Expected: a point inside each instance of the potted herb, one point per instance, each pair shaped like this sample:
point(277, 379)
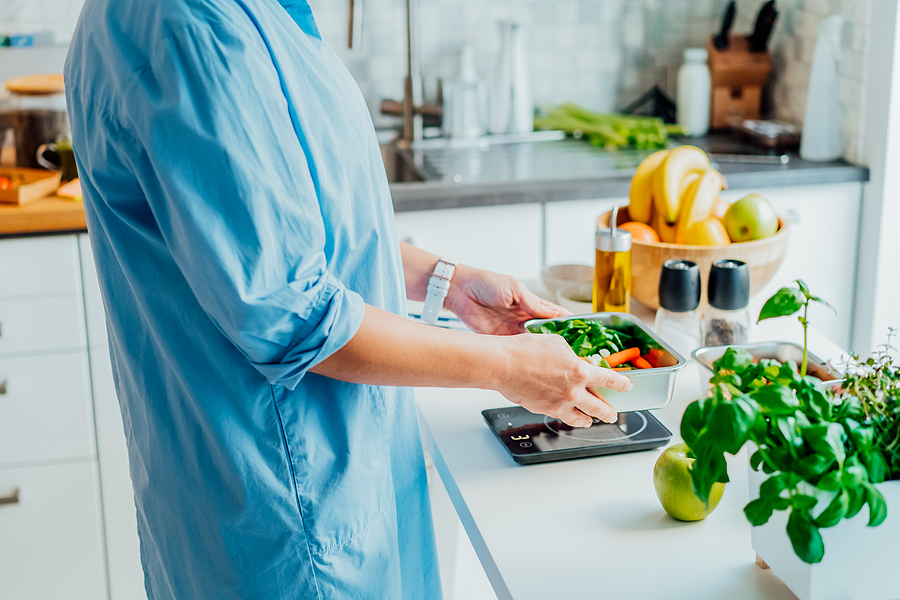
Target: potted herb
point(824, 464)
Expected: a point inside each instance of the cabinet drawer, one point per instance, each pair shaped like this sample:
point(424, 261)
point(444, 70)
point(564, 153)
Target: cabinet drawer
point(39, 265)
point(51, 544)
point(45, 408)
point(41, 324)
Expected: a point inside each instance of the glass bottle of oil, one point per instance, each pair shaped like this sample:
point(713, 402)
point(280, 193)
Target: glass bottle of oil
point(612, 269)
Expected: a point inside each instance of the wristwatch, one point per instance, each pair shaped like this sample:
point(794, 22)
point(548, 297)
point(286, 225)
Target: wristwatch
point(438, 285)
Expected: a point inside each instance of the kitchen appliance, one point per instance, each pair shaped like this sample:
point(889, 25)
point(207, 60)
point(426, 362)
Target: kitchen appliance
point(531, 438)
point(653, 388)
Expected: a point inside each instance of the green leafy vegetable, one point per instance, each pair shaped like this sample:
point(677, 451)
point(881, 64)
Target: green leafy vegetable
point(589, 338)
point(823, 452)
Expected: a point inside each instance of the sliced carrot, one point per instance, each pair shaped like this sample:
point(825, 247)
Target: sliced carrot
point(623, 369)
point(640, 363)
point(624, 356)
point(650, 358)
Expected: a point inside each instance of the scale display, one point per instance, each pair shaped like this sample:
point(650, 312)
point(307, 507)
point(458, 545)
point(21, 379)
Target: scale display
point(532, 438)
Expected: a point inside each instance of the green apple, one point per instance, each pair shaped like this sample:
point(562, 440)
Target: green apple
point(672, 480)
point(750, 218)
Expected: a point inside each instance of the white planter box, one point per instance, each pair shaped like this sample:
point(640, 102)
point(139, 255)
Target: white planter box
point(860, 562)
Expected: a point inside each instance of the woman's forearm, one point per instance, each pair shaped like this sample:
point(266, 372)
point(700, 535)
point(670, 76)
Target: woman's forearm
point(539, 372)
point(418, 265)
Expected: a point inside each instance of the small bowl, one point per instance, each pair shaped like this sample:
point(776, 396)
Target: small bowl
point(576, 297)
point(557, 276)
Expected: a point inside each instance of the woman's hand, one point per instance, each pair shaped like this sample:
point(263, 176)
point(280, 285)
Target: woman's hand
point(496, 304)
point(543, 375)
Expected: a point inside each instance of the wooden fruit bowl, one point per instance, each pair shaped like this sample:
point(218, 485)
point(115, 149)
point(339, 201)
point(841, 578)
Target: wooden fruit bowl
point(763, 256)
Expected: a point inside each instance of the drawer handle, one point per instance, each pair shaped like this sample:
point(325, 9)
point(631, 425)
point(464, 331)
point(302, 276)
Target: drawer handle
point(3, 387)
point(12, 498)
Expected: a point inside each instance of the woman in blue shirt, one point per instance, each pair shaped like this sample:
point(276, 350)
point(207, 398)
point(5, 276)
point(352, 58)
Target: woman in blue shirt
point(242, 227)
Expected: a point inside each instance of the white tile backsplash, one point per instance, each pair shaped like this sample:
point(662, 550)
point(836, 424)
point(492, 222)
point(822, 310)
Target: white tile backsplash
point(602, 53)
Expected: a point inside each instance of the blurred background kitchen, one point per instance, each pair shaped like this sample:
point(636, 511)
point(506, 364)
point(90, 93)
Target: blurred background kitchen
point(602, 54)
point(516, 205)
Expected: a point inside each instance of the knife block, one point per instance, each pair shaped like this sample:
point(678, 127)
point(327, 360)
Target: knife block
point(738, 76)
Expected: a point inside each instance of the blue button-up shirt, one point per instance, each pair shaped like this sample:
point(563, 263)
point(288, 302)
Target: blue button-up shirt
point(240, 218)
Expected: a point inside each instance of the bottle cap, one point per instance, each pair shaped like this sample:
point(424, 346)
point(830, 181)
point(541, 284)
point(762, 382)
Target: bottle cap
point(679, 285)
point(729, 284)
point(695, 55)
point(613, 239)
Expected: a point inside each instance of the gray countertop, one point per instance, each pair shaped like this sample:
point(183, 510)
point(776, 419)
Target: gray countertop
point(552, 171)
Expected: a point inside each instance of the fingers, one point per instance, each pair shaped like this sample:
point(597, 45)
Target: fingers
point(609, 379)
point(537, 307)
point(595, 406)
point(575, 418)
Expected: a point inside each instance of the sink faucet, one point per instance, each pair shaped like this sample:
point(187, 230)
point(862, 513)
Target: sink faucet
point(412, 107)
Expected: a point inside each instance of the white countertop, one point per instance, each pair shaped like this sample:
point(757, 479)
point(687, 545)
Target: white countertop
point(593, 527)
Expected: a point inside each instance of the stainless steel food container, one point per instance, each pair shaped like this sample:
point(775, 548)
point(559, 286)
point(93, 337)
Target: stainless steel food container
point(780, 351)
point(653, 388)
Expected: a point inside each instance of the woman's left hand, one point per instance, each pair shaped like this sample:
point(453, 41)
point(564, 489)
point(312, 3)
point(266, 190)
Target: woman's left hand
point(495, 304)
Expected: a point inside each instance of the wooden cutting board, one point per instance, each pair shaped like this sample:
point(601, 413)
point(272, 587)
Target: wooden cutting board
point(49, 215)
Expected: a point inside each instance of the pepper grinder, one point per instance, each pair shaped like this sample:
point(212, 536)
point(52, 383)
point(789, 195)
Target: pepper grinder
point(677, 319)
point(612, 268)
point(727, 319)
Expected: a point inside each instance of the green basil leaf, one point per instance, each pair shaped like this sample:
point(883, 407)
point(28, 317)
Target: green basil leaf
point(827, 440)
point(855, 473)
point(803, 502)
point(861, 435)
point(784, 302)
point(548, 327)
point(694, 420)
point(835, 511)
point(803, 287)
point(813, 465)
point(709, 468)
point(759, 511)
point(877, 466)
point(730, 423)
point(830, 482)
point(877, 506)
point(857, 499)
point(735, 359)
point(774, 486)
point(776, 399)
point(756, 460)
point(805, 537)
point(820, 301)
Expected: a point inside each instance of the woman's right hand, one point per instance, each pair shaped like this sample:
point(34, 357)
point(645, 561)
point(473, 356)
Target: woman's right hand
point(543, 375)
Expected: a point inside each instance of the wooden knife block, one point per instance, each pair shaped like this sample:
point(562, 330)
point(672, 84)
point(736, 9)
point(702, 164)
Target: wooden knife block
point(738, 76)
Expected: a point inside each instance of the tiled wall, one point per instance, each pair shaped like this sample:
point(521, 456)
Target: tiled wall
point(600, 53)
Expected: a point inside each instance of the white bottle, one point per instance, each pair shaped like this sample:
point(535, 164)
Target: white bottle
point(512, 107)
point(821, 140)
point(694, 92)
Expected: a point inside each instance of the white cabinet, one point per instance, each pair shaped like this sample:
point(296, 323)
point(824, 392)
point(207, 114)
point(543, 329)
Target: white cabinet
point(822, 250)
point(51, 533)
point(503, 239)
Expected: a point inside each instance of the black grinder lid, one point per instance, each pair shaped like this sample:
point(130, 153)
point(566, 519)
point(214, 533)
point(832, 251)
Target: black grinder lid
point(679, 285)
point(729, 284)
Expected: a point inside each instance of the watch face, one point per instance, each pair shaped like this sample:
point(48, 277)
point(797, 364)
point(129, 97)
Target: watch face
point(524, 433)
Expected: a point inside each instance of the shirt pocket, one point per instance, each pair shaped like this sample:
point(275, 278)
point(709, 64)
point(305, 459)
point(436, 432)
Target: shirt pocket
point(337, 436)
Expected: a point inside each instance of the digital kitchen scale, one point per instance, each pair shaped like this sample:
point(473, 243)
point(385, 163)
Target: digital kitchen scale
point(532, 438)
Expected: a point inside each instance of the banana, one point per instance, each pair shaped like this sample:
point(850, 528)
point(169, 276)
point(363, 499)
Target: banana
point(667, 233)
point(641, 194)
point(697, 201)
point(668, 178)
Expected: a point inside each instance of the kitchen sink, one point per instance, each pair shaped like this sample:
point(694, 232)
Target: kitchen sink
point(399, 165)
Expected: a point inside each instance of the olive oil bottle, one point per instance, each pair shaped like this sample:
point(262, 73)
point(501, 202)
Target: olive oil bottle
point(612, 269)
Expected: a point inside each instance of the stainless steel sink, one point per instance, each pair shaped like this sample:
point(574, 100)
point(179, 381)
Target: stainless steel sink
point(398, 165)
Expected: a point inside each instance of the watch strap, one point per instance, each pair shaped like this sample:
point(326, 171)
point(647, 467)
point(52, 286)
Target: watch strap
point(436, 292)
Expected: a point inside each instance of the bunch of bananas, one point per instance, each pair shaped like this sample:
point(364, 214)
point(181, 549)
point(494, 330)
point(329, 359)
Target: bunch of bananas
point(676, 192)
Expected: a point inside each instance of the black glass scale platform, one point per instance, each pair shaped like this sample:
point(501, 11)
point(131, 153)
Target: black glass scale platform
point(532, 438)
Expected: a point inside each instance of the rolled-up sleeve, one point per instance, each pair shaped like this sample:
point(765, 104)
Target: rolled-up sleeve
point(224, 169)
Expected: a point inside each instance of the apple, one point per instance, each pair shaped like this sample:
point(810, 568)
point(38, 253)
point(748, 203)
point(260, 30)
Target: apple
point(672, 480)
point(750, 218)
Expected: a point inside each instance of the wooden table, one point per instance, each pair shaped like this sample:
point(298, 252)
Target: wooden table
point(50, 215)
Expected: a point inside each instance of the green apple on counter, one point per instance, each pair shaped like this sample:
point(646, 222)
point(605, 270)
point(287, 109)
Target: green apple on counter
point(672, 480)
point(750, 218)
